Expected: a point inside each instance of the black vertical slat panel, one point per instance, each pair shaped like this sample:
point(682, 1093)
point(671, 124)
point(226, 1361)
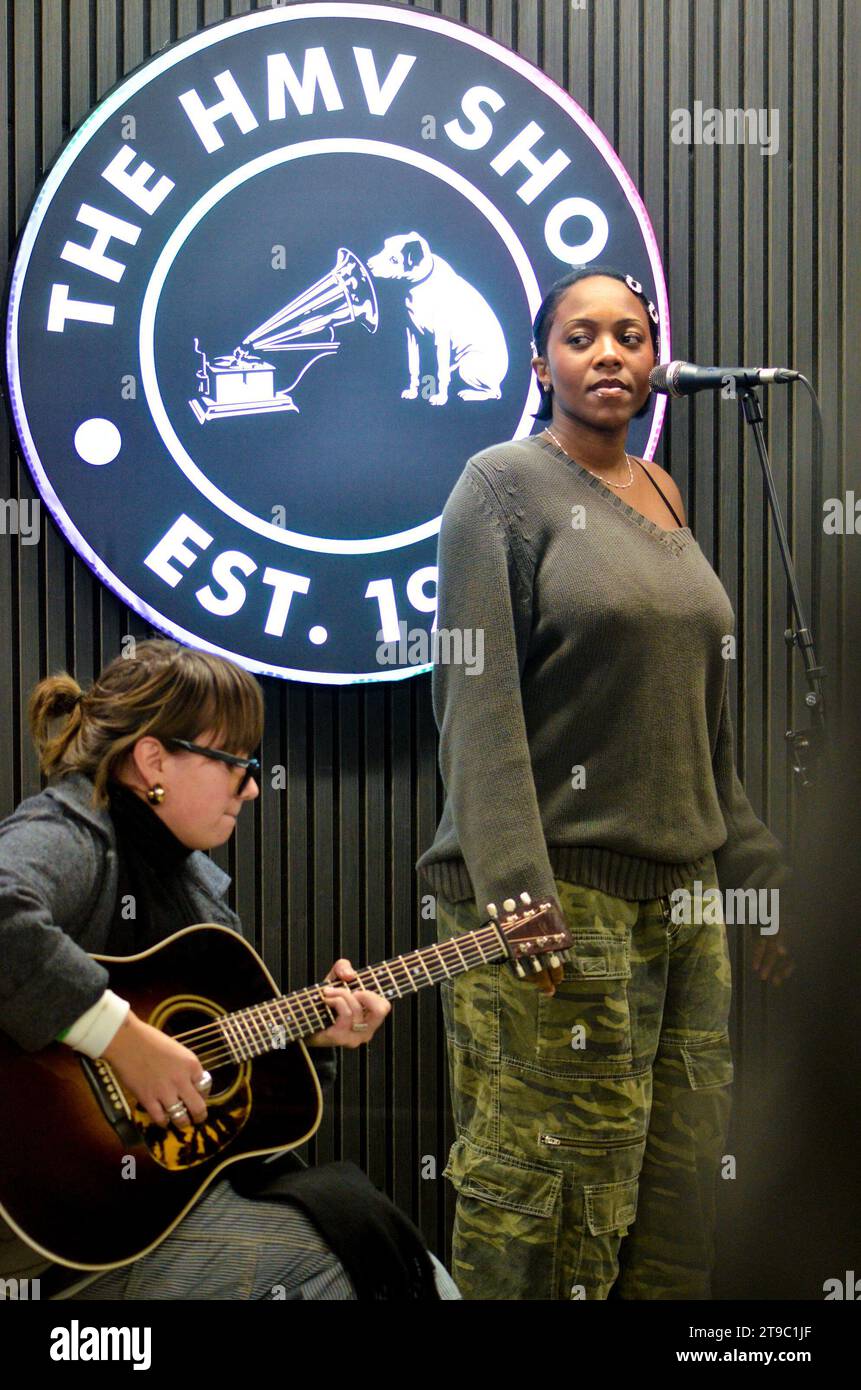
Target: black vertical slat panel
point(8, 637)
point(739, 525)
point(29, 624)
point(52, 62)
point(528, 31)
point(347, 855)
point(729, 94)
point(295, 844)
point(401, 887)
point(80, 41)
point(502, 22)
point(676, 248)
point(54, 552)
point(186, 18)
point(109, 615)
point(778, 266)
point(271, 817)
point(107, 51)
point(26, 113)
point(850, 286)
point(579, 54)
point(794, 478)
point(476, 15)
point(724, 470)
point(702, 259)
point(553, 44)
point(83, 594)
point(430, 1095)
point(134, 36)
point(25, 558)
point(375, 911)
point(605, 77)
point(630, 140)
point(826, 620)
point(655, 140)
point(160, 24)
point(324, 938)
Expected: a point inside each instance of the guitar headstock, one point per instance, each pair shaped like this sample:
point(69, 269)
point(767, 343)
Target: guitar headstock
point(534, 933)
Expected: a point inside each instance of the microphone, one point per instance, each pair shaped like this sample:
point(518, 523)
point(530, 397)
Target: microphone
point(683, 378)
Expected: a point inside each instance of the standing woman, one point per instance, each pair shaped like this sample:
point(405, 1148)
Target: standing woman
point(151, 766)
point(592, 762)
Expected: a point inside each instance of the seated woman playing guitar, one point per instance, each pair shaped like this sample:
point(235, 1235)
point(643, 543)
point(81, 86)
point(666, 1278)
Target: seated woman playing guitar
point(150, 767)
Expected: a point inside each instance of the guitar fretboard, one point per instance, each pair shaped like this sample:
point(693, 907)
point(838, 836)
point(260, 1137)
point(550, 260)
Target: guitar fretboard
point(265, 1027)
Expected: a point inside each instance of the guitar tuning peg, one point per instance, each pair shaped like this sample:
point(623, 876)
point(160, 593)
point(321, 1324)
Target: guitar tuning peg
point(525, 899)
point(518, 970)
point(492, 910)
point(509, 905)
point(536, 965)
point(555, 961)
point(566, 954)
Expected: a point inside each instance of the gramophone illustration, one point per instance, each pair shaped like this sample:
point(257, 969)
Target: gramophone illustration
point(243, 383)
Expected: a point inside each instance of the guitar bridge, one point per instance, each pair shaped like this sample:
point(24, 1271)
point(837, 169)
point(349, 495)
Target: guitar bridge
point(111, 1100)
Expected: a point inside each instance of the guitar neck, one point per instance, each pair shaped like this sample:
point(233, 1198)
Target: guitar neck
point(266, 1027)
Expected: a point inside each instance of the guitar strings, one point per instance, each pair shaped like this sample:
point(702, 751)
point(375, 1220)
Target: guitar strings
point(310, 1006)
point(306, 998)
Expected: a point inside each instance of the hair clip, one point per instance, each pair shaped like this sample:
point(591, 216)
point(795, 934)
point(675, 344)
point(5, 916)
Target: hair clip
point(633, 284)
point(653, 313)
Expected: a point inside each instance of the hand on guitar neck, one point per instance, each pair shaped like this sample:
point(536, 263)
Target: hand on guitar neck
point(159, 1072)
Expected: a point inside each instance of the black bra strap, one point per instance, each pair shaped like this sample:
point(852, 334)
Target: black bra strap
point(657, 489)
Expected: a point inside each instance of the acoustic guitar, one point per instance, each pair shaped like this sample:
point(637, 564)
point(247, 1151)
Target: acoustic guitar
point(89, 1180)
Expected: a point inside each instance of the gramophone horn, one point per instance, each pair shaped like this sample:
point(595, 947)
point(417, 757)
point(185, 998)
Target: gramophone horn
point(345, 295)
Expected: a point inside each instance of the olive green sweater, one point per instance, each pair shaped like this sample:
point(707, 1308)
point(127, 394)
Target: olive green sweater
point(596, 743)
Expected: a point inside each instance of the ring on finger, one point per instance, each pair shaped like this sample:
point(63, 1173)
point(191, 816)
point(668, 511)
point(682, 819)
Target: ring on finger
point(178, 1108)
point(204, 1085)
point(360, 1028)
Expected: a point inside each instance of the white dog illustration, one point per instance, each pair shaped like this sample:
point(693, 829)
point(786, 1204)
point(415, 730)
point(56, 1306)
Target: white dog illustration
point(466, 333)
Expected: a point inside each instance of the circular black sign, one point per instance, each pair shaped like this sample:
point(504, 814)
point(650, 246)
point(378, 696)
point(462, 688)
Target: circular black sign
point(274, 292)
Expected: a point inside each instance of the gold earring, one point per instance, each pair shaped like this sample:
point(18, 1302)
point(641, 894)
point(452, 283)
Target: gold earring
point(155, 795)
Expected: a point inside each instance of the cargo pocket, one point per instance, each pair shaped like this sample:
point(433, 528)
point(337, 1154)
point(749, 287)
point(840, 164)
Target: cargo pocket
point(611, 1206)
point(505, 1243)
point(586, 1024)
point(609, 1210)
point(708, 1063)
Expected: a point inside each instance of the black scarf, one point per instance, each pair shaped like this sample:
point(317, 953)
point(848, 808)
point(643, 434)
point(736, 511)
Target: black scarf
point(152, 902)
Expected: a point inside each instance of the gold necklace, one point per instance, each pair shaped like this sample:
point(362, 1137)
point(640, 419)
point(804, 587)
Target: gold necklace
point(548, 430)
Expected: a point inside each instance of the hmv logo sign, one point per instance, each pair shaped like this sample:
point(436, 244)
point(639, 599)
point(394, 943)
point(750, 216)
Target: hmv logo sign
point(274, 293)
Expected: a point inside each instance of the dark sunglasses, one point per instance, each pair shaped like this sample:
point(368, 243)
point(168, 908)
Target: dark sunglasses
point(251, 765)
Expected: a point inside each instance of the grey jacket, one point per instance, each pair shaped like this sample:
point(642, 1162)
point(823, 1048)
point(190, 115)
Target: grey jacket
point(58, 889)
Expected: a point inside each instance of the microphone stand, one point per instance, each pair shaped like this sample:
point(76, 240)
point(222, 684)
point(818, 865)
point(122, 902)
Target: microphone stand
point(805, 743)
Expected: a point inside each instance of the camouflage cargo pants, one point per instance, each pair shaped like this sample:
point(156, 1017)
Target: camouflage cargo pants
point(591, 1125)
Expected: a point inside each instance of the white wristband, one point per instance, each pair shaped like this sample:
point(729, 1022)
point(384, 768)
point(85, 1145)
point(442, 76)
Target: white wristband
point(96, 1029)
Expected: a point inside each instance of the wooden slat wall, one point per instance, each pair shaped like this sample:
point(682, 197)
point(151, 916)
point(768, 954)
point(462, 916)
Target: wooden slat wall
point(759, 258)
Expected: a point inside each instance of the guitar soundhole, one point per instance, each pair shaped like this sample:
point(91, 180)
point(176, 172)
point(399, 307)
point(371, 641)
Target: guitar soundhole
point(229, 1102)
